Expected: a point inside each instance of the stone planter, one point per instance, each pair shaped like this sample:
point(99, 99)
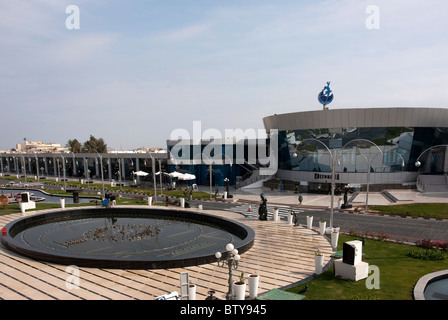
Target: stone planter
point(334, 239)
point(309, 222)
point(192, 292)
point(318, 263)
point(290, 218)
point(322, 226)
point(254, 280)
point(239, 290)
point(275, 216)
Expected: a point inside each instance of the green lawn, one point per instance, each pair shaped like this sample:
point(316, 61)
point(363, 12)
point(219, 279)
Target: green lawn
point(398, 275)
point(14, 208)
point(94, 188)
point(426, 210)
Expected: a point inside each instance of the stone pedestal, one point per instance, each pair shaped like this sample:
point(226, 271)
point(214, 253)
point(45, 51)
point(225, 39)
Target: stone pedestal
point(351, 266)
point(27, 205)
point(351, 272)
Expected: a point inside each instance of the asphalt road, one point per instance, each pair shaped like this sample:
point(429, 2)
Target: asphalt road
point(405, 229)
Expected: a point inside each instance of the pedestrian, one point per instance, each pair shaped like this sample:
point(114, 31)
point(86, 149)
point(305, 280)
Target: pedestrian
point(300, 199)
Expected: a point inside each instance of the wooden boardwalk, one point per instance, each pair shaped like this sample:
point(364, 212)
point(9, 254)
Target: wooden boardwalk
point(282, 255)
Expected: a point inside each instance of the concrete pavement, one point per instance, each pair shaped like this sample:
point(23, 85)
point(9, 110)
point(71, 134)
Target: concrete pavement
point(324, 201)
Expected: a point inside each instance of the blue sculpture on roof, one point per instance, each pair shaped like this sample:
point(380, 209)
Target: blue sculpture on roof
point(326, 95)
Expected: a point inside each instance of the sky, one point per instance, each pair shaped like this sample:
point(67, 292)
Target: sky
point(135, 71)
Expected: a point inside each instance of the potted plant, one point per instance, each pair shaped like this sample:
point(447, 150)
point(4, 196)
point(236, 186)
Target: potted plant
point(275, 214)
point(239, 288)
point(254, 280)
point(335, 238)
point(318, 262)
point(290, 217)
point(22, 207)
point(309, 222)
point(191, 291)
point(322, 226)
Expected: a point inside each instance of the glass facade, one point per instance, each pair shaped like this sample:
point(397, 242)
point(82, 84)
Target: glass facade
point(232, 161)
point(358, 149)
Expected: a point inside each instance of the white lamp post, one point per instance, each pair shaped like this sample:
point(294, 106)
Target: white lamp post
point(231, 260)
point(334, 156)
point(102, 172)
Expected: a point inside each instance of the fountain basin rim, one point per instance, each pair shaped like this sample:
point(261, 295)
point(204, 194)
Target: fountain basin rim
point(236, 228)
point(423, 282)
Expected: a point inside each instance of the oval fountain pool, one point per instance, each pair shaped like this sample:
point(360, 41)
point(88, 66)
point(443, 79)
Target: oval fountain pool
point(125, 238)
point(433, 286)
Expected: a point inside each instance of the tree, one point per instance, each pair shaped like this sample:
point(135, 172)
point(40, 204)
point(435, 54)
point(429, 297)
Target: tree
point(74, 146)
point(94, 145)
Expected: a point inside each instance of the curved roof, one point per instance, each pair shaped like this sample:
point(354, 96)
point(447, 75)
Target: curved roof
point(362, 117)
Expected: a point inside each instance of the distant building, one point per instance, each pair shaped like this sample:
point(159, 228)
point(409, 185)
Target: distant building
point(40, 147)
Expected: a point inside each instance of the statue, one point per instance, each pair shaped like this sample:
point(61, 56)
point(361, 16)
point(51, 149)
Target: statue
point(188, 195)
point(295, 218)
point(347, 188)
point(262, 210)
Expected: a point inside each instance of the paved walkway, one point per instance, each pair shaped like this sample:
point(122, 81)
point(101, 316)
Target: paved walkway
point(282, 255)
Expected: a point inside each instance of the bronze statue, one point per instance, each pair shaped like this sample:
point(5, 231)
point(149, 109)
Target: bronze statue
point(296, 218)
point(262, 210)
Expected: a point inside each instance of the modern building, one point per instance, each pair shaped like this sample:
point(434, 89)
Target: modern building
point(217, 162)
point(375, 146)
point(39, 146)
point(367, 147)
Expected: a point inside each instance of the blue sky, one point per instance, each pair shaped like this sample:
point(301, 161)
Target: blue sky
point(138, 69)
